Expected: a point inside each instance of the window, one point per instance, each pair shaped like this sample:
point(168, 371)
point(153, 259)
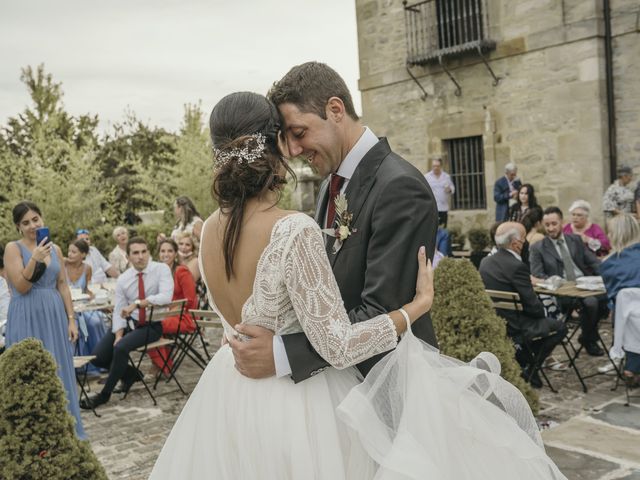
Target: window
point(466, 160)
point(439, 28)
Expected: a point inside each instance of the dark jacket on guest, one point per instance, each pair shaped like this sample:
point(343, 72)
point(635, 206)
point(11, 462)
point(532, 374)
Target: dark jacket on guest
point(501, 195)
point(504, 272)
point(545, 261)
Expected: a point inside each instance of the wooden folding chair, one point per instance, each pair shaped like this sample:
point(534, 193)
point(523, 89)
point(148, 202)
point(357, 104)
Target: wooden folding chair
point(511, 301)
point(81, 365)
point(157, 313)
point(205, 319)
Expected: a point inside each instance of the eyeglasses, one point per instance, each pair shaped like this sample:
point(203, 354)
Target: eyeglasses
point(82, 231)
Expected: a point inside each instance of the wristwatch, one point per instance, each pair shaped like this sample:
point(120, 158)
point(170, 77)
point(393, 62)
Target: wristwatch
point(137, 302)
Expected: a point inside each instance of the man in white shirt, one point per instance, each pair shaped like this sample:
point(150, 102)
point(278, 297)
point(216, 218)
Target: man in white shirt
point(145, 283)
point(100, 267)
point(441, 186)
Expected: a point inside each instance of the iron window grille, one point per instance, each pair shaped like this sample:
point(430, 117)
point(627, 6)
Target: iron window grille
point(440, 28)
point(466, 160)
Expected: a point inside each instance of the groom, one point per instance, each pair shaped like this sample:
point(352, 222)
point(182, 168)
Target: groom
point(393, 213)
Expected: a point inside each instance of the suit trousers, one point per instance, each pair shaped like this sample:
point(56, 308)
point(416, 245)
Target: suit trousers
point(116, 358)
point(592, 309)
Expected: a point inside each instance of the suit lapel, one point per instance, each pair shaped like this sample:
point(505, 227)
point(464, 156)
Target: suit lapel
point(360, 185)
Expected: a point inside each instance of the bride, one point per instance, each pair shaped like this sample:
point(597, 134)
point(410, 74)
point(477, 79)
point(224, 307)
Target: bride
point(417, 414)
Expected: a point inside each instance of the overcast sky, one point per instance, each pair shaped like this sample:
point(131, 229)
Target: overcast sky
point(153, 56)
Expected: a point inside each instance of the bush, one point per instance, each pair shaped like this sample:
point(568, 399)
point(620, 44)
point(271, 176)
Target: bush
point(457, 237)
point(478, 239)
point(466, 323)
point(37, 433)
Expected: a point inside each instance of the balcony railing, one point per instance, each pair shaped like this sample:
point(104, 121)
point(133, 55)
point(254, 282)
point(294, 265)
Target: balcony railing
point(441, 28)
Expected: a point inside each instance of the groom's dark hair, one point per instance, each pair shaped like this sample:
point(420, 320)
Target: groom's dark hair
point(309, 87)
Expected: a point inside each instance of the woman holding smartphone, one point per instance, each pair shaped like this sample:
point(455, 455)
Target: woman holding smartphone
point(41, 304)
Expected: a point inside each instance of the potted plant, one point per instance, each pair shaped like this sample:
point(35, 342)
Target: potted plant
point(479, 240)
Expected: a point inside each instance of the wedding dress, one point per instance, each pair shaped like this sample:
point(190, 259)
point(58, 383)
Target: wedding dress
point(417, 414)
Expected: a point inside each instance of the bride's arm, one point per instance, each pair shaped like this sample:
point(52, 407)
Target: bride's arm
point(316, 299)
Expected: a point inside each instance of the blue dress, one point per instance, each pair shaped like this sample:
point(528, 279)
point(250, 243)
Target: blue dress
point(40, 314)
point(91, 325)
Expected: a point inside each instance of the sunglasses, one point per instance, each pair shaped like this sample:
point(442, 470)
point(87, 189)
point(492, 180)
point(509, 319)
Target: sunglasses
point(82, 231)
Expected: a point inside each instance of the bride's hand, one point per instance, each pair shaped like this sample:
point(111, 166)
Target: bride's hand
point(424, 281)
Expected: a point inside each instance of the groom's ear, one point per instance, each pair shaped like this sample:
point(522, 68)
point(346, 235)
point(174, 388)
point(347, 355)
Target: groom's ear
point(335, 109)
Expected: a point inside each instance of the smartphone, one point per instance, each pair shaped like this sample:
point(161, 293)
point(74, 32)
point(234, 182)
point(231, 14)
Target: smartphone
point(41, 233)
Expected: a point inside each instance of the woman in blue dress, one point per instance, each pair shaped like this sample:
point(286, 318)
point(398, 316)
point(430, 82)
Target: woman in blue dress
point(41, 304)
point(91, 325)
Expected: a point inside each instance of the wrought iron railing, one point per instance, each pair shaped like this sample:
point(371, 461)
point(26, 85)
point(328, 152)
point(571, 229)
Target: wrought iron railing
point(440, 28)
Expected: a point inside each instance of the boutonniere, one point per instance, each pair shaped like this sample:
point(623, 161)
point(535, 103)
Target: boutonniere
point(343, 229)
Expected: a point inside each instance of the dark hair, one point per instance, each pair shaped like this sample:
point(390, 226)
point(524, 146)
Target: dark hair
point(82, 246)
point(233, 121)
point(532, 195)
point(189, 211)
point(21, 209)
point(531, 217)
point(493, 230)
point(136, 241)
point(309, 87)
point(552, 210)
point(174, 245)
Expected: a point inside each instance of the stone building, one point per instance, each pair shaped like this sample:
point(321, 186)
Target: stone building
point(486, 82)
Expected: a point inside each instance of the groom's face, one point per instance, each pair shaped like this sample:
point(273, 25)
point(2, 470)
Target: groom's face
point(317, 140)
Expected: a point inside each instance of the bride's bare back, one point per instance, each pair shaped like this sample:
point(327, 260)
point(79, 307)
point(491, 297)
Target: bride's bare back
point(231, 295)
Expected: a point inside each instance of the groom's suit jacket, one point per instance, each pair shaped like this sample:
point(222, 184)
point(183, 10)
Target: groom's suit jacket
point(394, 212)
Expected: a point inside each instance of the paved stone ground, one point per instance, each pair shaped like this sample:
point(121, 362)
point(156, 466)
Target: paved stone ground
point(591, 436)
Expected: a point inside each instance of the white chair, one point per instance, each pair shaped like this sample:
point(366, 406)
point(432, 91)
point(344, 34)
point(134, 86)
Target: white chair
point(626, 335)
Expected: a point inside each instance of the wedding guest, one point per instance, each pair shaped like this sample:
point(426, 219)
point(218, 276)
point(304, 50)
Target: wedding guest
point(621, 270)
point(5, 296)
point(183, 288)
point(189, 220)
point(591, 234)
point(146, 283)
point(505, 190)
point(505, 271)
point(441, 186)
point(188, 253)
point(40, 305)
point(532, 222)
point(118, 256)
point(91, 325)
point(525, 201)
point(99, 265)
point(565, 255)
point(619, 197)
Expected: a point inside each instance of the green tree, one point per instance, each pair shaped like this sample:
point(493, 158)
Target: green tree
point(466, 323)
point(37, 433)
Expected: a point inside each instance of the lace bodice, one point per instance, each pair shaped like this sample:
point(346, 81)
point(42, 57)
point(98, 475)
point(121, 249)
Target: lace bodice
point(294, 290)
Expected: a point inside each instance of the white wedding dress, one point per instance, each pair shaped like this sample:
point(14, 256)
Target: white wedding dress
point(418, 415)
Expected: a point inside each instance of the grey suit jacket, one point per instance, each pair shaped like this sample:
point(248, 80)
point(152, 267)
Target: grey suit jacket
point(545, 261)
point(394, 212)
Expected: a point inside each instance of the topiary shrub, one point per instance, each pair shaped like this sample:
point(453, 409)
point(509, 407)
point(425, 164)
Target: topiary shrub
point(37, 433)
point(466, 323)
point(478, 239)
point(458, 238)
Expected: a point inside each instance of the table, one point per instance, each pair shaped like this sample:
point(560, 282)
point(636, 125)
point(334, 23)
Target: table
point(569, 289)
point(81, 307)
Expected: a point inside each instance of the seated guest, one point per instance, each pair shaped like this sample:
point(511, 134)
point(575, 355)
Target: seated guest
point(443, 242)
point(183, 288)
point(188, 253)
point(532, 221)
point(118, 256)
point(91, 325)
point(506, 272)
point(99, 265)
point(525, 201)
point(591, 234)
point(492, 236)
point(621, 270)
point(146, 283)
point(565, 255)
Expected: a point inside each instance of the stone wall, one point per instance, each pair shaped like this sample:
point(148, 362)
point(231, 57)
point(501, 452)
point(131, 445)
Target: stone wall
point(548, 113)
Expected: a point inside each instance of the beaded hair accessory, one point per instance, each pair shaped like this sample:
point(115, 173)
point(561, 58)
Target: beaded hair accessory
point(248, 152)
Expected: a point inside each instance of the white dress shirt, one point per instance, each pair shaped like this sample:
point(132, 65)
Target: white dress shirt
point(347, 167)
point(158, 289)
point(438, 186)
point(98, 264)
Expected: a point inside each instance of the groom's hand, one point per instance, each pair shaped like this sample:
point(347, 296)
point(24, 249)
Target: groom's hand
point(254, 357)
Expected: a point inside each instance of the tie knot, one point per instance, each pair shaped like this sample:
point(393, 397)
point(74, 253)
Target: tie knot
point(560, 241)
point(140, 274)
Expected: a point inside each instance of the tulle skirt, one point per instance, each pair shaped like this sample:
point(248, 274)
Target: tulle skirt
point(237, 428)
point(417, 415)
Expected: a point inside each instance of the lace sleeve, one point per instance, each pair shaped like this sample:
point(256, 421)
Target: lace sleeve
point(319, 307)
